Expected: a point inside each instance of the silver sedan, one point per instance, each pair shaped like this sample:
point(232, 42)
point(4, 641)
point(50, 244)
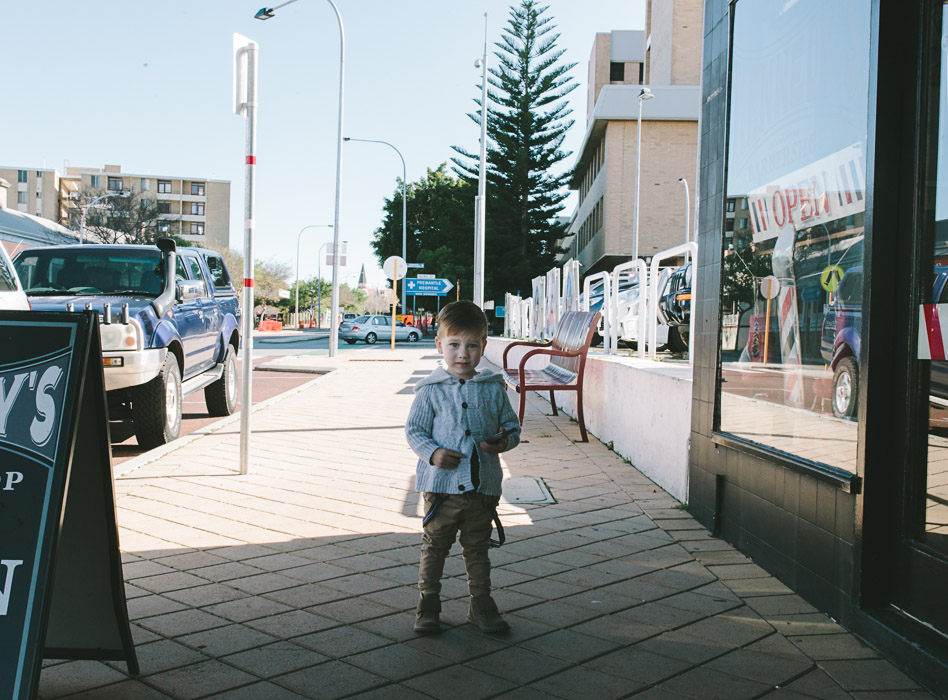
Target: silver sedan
point(371, 329)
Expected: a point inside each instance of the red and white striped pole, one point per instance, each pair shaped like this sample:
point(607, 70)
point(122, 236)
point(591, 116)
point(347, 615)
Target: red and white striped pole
point(246, 104)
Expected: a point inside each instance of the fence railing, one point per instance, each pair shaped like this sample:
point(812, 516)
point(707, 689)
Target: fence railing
point(557, 292)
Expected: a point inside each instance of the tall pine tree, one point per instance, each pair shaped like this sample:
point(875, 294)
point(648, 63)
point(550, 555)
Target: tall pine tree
point(526, 124)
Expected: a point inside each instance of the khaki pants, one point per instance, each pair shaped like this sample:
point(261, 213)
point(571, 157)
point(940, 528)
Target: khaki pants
point(470, 514)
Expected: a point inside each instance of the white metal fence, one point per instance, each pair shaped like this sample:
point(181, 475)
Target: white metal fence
point(629, 311)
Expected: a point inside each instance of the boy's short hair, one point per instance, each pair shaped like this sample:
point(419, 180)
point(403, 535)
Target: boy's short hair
point(462, 317)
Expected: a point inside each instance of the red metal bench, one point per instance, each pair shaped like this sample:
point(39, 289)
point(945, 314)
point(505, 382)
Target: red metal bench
point(567, 353)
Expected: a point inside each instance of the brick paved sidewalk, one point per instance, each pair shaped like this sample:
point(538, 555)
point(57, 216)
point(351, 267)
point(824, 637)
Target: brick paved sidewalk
point(298, 581)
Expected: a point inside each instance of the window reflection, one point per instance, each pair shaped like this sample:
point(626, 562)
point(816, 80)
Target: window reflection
point(792, 283)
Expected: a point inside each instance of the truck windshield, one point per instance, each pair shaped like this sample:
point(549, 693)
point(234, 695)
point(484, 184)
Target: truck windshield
point(59, 272)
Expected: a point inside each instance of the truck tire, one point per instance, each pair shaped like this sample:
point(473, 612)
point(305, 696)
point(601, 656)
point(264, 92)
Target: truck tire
point(677, 339)
point(221, 396)
point(156, 407)
point(845, 381)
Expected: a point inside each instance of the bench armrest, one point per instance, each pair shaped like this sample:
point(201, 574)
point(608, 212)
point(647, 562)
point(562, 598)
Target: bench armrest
point(521, 378)
point(522, 342)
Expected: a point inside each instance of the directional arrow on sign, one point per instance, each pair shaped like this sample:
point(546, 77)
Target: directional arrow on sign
point(428, 287)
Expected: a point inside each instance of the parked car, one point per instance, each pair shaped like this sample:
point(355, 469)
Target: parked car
point(374, 328)
point(841, 341)
point(348, 316)
point(674, 307)
point(12, 295)
point(169, 324)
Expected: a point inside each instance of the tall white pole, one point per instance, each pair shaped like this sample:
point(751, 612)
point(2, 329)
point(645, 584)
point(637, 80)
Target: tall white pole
point(638, 183)
point(250, 109)
point(687, 209)
point(334, 327)
point(298, 237)
point(481, 206)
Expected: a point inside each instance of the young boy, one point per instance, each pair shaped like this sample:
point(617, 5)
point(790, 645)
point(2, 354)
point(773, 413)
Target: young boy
point(459, 422)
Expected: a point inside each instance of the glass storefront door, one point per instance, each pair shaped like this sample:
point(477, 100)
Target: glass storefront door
point(923, 589)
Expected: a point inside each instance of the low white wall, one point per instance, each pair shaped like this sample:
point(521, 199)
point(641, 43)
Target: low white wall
point(642, 407)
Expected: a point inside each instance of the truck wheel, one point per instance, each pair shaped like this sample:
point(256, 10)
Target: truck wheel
point(844, 388)
point(371, 338)
point(156, 407)
point(221, 396)
point(677, 339)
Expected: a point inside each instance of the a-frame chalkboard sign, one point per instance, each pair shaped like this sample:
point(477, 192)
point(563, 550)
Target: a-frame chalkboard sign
point(61, 588)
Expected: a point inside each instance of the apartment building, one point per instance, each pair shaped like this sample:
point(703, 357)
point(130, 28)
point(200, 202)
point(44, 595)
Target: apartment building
point(666, 59)
point(196, 209)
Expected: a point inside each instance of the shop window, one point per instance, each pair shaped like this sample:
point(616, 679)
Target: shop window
point(791, 272)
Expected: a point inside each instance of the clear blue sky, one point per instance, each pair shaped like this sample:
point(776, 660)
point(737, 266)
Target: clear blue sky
point(149, 86)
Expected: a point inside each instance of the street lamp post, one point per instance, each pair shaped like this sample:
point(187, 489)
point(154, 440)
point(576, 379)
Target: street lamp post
point(480, 210)
point(298, 237)
point(82, 220)
point(404, 207)
point(644, 94)
point(267, 13)
point(319, 277)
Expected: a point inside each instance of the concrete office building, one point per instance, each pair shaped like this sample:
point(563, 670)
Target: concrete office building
point(194, 208)
point(666, 58)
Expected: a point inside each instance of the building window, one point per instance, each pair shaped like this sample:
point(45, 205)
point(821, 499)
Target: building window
point(115, 183)
point(21, 176)
point(146, 184)
point(197, 188)
point(93, 180)
point(803, 238)
point(197, 208)
point(21, 197)
point(164, 187)
point(197, 229)
point(616, 72)
point(39, 174)
point(730, 205)
point(164, 207)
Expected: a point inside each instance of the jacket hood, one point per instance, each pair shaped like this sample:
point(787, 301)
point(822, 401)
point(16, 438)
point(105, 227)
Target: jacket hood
point(441, 375)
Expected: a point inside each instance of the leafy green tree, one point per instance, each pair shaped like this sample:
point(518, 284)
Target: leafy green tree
point(527, 121)
point(440, 228)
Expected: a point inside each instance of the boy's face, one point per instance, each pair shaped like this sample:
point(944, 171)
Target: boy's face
point(462, 353)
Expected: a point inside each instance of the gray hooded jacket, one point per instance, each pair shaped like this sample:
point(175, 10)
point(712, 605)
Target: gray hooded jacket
point(458, 414)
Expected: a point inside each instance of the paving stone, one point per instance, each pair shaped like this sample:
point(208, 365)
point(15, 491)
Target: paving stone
point(225, 640)
point(770, 670)
point(202, 596)
point(458, 644)
point(397, 662)
point(173, 581)
point(560, 614)
point(459, 683)
point(867, 674)
point(707, 684)
point(119, 691)
point(569, 645)
point(638, 665)
point(682, 646)
point(274, 659)
point(585, 682)
point(247, 608)
point(262, 690)
point(149, 605)
point(183, 622)
point(306, 596)
point(394, 690)
point(340, 642)
point(161, 655)
point(74, 676)
point(350, 610)
point(292, 624)
point(818, 684)
point(737, 631)
point(198, 680)
point(333, 679)
point(833, 646)
point(518, 665)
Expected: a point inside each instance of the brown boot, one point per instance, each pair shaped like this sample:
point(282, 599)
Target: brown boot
point(427, 612)
point(483, 613)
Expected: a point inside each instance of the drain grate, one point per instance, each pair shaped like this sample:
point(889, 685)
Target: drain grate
point(526, 489)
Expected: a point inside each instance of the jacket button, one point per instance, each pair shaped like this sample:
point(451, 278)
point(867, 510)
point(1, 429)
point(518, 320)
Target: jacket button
point(467, 432)
point(464, 405)
point(460, 487)
point(461, 380)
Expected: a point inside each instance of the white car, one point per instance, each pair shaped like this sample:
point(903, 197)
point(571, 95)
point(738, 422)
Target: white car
point(12, 295)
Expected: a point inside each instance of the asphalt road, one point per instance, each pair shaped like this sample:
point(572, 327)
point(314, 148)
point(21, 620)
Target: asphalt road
point(194, 412)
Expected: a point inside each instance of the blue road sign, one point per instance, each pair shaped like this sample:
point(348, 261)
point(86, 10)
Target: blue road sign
point(427, 287)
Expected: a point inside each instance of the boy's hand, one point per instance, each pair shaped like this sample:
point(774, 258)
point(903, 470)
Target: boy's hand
point(495, 446)
point(446, 459)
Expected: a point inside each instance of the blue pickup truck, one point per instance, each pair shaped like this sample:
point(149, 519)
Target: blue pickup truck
point(169, 323)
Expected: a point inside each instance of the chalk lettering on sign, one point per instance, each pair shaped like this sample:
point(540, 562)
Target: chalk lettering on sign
point(12, 478)
point(10, 565)
point(41, 430)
